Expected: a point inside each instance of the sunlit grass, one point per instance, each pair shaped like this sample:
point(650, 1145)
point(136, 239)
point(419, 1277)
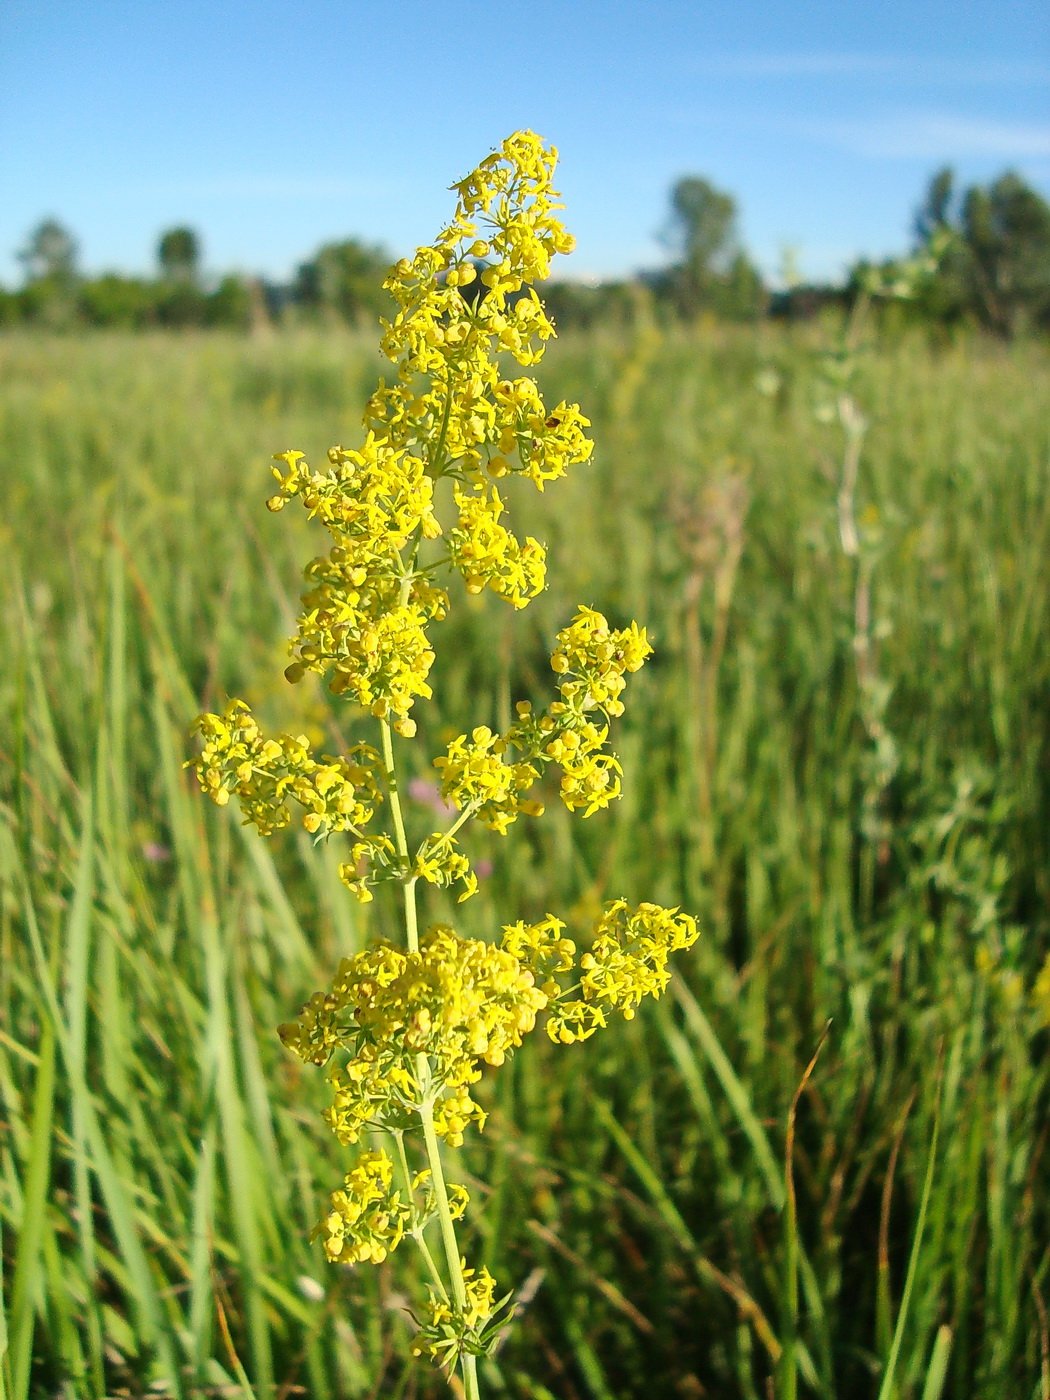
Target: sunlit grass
point(158, 1174)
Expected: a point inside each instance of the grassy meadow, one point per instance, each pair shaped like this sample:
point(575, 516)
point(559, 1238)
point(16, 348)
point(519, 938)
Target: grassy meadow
point(838, 762)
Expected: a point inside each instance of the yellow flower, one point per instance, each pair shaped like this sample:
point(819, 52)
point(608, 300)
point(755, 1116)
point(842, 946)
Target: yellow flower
point(489, 556)
point(335, 794)
point(447, 1330)
point(475, 774)
point(458, 1001)
point(366, 1218)
point(440, 862)
point(627, 961)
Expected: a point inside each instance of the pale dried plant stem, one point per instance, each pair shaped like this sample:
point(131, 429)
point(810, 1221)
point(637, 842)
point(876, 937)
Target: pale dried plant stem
point(853, 427)
point(695, 671)
point(702, 669)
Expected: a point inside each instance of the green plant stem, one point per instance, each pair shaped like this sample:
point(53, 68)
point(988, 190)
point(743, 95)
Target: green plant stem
point(437, 466)
point(462, 819)
point(395, 798)
point(448, 1238)
point(426, 1108)
point(416, 1231)
point(428, 1259)
point(400, 839)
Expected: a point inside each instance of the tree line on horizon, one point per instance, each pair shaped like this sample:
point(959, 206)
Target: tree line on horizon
point(991, 268)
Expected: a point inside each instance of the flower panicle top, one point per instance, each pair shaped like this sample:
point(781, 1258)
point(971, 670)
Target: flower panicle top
point(461, 303)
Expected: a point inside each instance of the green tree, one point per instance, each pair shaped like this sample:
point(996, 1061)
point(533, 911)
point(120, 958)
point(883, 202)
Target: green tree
point(179, 255)
point(711, 270)
point(50, 253)
point(180, 298)
point(344, 280)
point(936, 212)
point(230, 304)
point(995, 264)
point(180, 304)
point(1006, 228)
point(741, 294)
point(113, 300)
point(50, 262)
point(946, 295)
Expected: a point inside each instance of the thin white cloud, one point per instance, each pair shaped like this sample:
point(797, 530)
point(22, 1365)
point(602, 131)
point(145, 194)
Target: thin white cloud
point(934, 136)
point(903, 68)
point(911, 134)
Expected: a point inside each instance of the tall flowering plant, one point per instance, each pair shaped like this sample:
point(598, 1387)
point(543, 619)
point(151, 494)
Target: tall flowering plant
point(407, 1024)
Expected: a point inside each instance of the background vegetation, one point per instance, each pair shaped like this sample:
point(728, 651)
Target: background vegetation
point(855, 804)
point(992, 270)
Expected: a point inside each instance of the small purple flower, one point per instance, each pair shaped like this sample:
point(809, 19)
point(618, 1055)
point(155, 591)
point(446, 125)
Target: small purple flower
point(428, 794)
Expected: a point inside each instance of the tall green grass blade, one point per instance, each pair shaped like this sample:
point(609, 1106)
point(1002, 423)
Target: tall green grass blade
point(734, 1090)
point(77, 991)
point(202, 1308)
point(112, 1186)
point(587, 1360)
point(788, 1370)
point(886, 1389)
point(27, 1279)
point(937, 1373)
point(5, 1355)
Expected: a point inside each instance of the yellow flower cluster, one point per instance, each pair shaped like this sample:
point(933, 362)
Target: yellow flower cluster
point(448, 1330)
point(366, 1219)
point(372, 859)
point(488, 555)
point(590, 777)
point(475, 775)
point(373, 500)
point(482, 775)
point(336, 794)
point(627, 961)
point(506, 226)
point(545, 444)
point(459, 1002)
point(594, 658)
point(461, 303)
point(365, 614)
point(440, 862)
point(541, 948)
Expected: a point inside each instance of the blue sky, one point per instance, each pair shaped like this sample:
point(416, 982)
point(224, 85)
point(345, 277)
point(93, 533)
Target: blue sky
point(272, 128)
